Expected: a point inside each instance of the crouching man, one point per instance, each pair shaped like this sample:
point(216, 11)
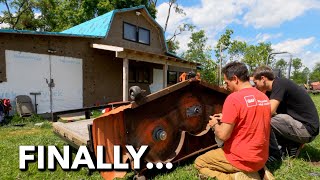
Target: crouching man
point(244, 128)
point(295, 118)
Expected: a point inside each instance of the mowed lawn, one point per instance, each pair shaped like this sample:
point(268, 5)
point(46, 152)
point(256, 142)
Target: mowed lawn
point(306, 166)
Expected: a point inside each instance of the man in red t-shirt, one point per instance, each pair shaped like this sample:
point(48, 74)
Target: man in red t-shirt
point(244, 128)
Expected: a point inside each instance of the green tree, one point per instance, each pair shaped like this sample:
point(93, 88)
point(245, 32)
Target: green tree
point(197, 49)
point(305, 73)
point(18, 14)
point(256, 55)
point(252, 55)
point(237, 50)
point(58, 15)
point(200, 53)
point(298, 76)
point(173, 44)
point(223, 42)
point(282, 65)
point(296, 64)
point(315, 74)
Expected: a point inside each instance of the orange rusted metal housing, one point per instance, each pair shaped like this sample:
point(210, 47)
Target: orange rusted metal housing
point(181, 111)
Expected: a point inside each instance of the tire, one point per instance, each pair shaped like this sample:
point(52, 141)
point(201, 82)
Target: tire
point(135, 93)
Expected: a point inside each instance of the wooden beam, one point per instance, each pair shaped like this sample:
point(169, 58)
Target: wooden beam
point(146, 57)
point(181, 64)
point(165, 71)
point(140, 57)
point(107, 47)
point(125, 79)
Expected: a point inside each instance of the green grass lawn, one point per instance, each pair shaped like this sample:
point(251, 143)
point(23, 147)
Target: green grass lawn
point(306, 166)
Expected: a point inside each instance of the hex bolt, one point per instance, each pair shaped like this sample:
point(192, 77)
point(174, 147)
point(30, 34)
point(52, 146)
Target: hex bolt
point(159, 134)
point(162, 135)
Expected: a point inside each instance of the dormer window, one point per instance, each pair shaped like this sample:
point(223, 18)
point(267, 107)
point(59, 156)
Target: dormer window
point(135, 33)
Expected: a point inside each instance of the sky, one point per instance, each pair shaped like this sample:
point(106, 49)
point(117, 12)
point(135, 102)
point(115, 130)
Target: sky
point(291, 26)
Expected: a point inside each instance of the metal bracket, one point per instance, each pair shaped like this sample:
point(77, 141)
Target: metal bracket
point(194, 111)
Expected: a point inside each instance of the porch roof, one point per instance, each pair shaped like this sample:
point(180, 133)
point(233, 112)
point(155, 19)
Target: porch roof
point(168, 59)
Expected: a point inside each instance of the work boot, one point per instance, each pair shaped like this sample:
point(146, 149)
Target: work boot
point(275, 156)
point(293, 149)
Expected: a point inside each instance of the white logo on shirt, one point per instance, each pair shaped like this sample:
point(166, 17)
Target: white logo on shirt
point(250, 100)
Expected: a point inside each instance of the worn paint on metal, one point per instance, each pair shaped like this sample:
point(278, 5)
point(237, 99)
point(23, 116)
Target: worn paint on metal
point(138, 123)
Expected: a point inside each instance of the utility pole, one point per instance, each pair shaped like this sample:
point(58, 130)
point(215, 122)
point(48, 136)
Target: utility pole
point(220, 64)
point(289, 69)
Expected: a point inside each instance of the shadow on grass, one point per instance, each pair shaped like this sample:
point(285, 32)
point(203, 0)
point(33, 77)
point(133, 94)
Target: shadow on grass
point(18, 121)
point(154, 173)
point(310, 154)
point(274, 166)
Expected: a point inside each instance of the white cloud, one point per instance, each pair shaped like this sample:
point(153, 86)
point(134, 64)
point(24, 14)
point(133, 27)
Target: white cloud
point(309, 59)
point(214, 16)
point(37, 15)
point(211, 16)
point(175, 19)
point(264, 37)
point(272, 13)
point(297, 48)
point(293, 46)
point(4, 25)
point(183, 40)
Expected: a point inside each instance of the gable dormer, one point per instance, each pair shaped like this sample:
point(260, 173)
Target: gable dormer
point(130, 28)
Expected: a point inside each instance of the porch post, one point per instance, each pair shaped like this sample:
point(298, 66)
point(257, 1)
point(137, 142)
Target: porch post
point(165, 72)
point(125, 77)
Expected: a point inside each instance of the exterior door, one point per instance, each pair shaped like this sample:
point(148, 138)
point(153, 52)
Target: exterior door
point(30, 72)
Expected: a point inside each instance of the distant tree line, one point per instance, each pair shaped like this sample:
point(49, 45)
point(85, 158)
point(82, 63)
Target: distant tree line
point(58, 15)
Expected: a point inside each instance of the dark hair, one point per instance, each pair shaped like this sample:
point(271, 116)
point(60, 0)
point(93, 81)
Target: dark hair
point(263, 71)
point(236, 69)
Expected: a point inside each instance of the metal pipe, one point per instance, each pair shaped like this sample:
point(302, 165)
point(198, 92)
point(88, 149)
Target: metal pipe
point(290, 61)
point(267, 61)
point(289, 69)
point(220, 66)
point(51, 83)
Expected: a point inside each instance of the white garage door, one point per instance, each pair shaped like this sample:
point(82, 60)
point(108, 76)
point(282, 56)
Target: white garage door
point(29, 72)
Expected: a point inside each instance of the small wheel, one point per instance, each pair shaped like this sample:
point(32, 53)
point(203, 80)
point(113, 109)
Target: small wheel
point(139, 177)
point(135, 93)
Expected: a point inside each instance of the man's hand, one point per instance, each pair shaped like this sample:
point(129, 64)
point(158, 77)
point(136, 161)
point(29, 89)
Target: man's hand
point(214, 119)
point(222, 130)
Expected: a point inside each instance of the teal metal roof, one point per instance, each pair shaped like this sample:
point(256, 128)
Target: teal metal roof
point(96, 27)
point(42, 33)
point(99, 26)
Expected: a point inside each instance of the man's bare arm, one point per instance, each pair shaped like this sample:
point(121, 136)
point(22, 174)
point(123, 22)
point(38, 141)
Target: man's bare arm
point(222, 130)
point(274, 105)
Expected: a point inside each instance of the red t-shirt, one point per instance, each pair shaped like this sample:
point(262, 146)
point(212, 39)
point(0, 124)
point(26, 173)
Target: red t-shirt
point(250, 111)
